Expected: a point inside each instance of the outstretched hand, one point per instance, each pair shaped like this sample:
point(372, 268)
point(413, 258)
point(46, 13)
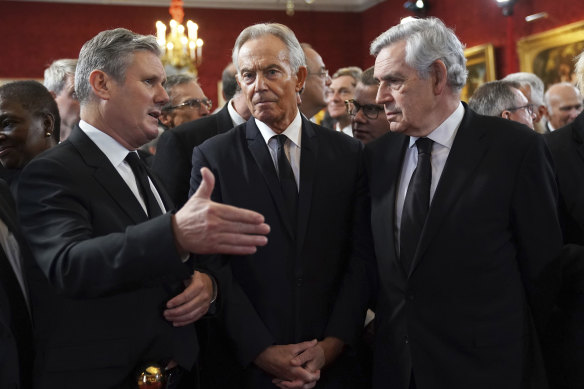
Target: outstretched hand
point(203, 226)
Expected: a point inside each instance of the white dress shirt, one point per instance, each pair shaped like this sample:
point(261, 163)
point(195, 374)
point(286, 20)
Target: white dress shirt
point(443, 137)
point(291, 147)
point(236, 118)
point(116, 153)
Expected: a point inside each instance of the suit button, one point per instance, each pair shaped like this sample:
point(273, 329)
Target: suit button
point(299, 281)
point(406, 340)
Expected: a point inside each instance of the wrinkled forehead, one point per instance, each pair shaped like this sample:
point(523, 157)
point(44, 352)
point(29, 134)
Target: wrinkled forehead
point(263, 52)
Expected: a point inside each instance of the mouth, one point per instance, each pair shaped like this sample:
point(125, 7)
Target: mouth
point(5, 150)
point(154, 114)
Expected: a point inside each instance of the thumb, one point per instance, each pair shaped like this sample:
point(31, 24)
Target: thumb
point(207, 184)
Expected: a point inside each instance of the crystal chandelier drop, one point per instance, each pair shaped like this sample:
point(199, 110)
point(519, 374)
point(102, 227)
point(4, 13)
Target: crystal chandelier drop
point(183, 51)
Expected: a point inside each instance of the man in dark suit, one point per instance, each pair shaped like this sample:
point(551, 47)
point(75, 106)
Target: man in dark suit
point(291, 308)
point(16, 339)
point(465, 227)
point(174, 152)
point(113, 286)
point(565, 334)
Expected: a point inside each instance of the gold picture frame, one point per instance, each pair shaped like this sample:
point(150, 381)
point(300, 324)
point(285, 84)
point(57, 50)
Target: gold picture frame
point(480, 63)
point(550, 54)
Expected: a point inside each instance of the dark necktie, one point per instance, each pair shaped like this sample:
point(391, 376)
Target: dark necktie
point(416, 203)
point(141, 176)
point(286, 176)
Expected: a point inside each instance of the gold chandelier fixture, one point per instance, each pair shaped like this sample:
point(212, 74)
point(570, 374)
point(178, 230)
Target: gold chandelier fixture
point(183, 51)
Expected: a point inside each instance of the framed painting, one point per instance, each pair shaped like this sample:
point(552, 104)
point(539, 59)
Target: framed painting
point(480, 63)
point(550, 54)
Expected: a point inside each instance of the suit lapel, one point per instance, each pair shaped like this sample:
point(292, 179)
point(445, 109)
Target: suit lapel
point(107, 176)
point(308, 167)
point(259, 151)
point(467, 151)
point(385, 169)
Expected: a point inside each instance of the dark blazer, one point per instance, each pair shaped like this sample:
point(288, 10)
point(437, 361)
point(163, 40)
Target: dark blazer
point(567, 147)
point(311, 280)
point(103, 272)
point(16, 337)
point(461, 316)
point(174, 152)
point(564, 336)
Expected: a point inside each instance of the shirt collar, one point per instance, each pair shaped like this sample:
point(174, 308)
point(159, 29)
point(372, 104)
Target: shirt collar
point(114, 151)
point(444, 134)
point(292, 132)
point(236, 118)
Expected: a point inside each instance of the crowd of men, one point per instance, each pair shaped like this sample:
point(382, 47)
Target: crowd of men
point(147, 242)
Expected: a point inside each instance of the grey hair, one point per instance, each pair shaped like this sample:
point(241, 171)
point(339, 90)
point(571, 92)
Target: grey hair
point(546, 97)
point(535, 84)
point(579, 70)
point(427, 40)
point(174, 80)
point(492, 98)
point(110, 51)
point(367, 77)
point(280, 31)
point(56, 74)
point(351, 71)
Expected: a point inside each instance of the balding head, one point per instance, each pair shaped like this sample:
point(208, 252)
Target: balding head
point(564, 103)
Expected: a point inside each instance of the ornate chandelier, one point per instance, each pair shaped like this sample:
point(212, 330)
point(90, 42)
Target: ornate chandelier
point(180, 50)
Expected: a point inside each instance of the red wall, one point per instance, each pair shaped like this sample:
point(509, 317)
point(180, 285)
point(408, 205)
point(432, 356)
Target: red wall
point(32, 34)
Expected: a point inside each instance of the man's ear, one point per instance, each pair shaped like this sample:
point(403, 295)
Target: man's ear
point(100, 84)
point(301, 78)
point(439, 76)
point(48, 123)
point(506, 115)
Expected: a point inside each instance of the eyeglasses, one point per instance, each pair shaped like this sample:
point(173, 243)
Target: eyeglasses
point(192, 103)
point(323, 73)
point(529, 107)
point(369, 110)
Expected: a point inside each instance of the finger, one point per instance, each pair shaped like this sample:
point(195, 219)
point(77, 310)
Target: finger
point(304, 357)
point(296, 384)
point(199, 288)
point(207, 184)
point(305, 375)
point(303, 346)
point(236, 214)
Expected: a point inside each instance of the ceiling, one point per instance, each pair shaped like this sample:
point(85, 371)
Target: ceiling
point(300, 5)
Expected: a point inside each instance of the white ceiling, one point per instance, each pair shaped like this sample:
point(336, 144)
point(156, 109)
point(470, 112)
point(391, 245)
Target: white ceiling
point(300, 5)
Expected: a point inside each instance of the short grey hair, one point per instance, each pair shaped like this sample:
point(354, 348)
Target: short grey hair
point(351, 71)
point(56, 74)
point(492, 98)
point(579, 70)
point(427, 40)
point(110, 51)
point(367, 77)
point(174, 80)
point(280, 31)
point(535, 84)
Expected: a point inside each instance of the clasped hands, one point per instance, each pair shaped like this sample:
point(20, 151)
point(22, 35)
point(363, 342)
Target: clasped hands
point(298, 365)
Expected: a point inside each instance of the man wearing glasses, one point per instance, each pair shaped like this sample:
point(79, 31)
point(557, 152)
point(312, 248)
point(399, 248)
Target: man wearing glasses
point(187, 101)
point(367, 118)
point(504, 99)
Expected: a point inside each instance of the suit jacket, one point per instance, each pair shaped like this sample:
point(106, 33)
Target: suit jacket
point(461, 315)
point(174, 152)
point(313, 278)
point(103, 271)
point(16, 338)
point(567, 147)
